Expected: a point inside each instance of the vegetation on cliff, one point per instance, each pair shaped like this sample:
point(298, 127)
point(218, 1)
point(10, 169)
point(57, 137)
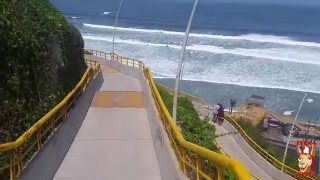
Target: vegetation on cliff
point(193, 128)
point(41, 60)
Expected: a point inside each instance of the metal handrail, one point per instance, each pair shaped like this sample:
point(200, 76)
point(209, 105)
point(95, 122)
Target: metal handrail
point(31, 141)
point(251, 142)
point(179, 144)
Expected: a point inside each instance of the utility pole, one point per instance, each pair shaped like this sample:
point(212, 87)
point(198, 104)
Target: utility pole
point(114, 28)
point(182, 55)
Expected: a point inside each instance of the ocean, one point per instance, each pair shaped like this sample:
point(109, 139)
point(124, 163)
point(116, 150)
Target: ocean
point(234, 50)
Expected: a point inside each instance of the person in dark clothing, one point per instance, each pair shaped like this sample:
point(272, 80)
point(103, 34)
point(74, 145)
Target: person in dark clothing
point(220, 114)
point(232, 104)
point(215, 113)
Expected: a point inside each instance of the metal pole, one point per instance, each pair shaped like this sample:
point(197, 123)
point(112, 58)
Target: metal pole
point(114, 27)
point(308, 128)
point(182, 70)
point(175, 96)
point(285, 152)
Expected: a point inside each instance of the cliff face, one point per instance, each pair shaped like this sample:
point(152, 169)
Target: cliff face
point(41, 59)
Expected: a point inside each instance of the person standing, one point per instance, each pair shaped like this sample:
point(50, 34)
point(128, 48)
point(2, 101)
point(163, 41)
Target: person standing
point(232, 104)
point(215, 113)
point(220, 114)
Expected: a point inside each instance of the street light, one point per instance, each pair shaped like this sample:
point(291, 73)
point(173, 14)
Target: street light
point(291, 131)
point(175, 96)
point(114, 29)
point(115, 25)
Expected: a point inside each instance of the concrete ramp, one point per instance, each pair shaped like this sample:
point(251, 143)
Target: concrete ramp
point(119, 137)
point(112, 132)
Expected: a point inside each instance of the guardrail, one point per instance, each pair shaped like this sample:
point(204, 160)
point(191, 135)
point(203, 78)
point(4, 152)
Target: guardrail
point(192, 158)
point(15, 155)
point(123, 60)
point(276, 163)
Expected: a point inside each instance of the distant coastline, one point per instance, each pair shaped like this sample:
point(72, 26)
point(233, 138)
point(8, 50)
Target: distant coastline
point(277, 99)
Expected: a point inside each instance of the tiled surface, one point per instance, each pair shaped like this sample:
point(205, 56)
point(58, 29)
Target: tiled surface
point(117, 99)
point(105, 69)
point(120, 82)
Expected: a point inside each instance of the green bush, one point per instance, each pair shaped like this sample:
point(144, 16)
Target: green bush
point(41, 60)
point(193, 128)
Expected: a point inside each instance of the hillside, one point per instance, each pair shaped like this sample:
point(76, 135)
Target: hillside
point(41, 60)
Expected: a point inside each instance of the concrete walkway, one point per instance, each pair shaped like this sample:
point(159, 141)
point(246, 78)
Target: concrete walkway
point(237, 147)
point(115, 139)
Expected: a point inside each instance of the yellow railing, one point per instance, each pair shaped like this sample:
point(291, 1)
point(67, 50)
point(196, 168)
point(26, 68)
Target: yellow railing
point(120, 59)
point(192, 158)
point(19, 152)
point(276, 163)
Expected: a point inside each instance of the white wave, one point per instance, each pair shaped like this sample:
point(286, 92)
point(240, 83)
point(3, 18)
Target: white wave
point(246, 74)
point(74, 17)
point(270, 54)
point(243, 84)
point(106, 13)
point(249, 37)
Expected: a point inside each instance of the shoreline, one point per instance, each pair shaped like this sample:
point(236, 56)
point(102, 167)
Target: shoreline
point(246, 86)
point(277, 99)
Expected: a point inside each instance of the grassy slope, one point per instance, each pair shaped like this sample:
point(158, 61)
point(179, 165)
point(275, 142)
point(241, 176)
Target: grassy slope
point(193, 129)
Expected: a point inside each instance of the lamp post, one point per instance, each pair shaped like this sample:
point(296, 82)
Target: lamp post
point(114, 28)
point(175, 96)
point(295, 119)
point(115, 25)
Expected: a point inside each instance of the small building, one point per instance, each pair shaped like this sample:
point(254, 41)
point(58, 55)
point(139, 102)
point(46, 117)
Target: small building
point(272, 122)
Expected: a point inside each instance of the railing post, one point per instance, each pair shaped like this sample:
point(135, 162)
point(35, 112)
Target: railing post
point(53, 120)
point(197, 166)
point(19, 163)
point(92, 74)
point(13, 165)
point(183, 159)
point(39, 139)
point(220, 174)
point(65, 110)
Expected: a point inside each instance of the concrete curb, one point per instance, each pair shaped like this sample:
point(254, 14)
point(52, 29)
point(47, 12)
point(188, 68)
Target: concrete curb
point(54, 151)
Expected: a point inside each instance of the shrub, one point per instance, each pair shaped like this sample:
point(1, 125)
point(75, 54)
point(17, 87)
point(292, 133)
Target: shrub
point(193, 129)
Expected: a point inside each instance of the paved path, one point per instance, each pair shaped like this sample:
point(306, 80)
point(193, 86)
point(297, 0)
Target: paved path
point(114, 140)
point(239, 149)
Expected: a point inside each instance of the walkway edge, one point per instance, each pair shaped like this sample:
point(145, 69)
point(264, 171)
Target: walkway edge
point(166, 158)
point(54, 151)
